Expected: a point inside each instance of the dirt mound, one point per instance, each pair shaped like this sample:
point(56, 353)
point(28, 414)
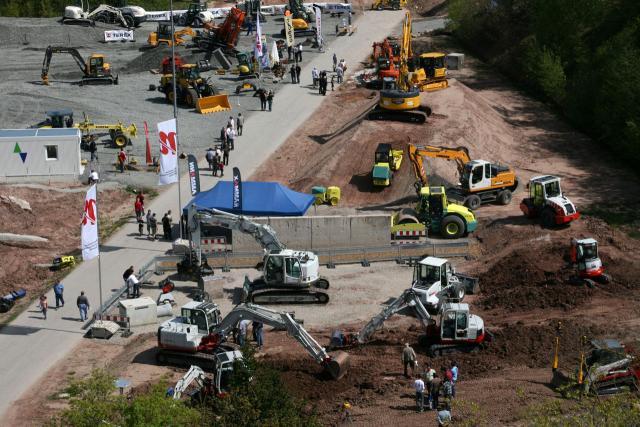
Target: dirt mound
point(152, 58)
point(46, 31)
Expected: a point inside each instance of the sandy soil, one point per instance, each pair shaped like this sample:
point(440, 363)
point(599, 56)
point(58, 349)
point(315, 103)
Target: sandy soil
point(56, 216)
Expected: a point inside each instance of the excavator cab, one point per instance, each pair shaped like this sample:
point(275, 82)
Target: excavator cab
point(57, 119)
point(97, 66)
point(584, 254)
point(283, 269)
point(204, 315)
point(455, 323)
point(430, 71)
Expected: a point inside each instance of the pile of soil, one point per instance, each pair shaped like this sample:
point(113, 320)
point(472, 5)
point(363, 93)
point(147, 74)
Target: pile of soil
point(152, 59)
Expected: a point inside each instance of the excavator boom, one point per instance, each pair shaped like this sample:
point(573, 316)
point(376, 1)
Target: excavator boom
point(460, 155)
point(60, 49)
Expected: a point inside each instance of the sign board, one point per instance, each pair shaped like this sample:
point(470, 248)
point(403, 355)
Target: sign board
point(119, 35)
point(289, 31)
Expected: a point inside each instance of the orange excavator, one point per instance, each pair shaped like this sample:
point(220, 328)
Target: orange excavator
point(225, 36)
point(480, 181)
point(384, 60)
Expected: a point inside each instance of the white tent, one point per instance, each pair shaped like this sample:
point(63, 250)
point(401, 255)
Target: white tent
point(275, 57)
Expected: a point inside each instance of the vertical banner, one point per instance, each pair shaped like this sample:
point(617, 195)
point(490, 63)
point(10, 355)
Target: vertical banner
point(258, 47)
point(168, 152)
point(149, 160)
point(89, 231)
point(194, 174)
point(237, 190)
point(318, 12)
point(288, 30)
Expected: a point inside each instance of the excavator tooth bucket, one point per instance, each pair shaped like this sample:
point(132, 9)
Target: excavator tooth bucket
point(338, 365)
point(213, 104)
point(430, 87)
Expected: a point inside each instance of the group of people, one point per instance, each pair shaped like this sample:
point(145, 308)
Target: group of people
point(428, 383)
point(132, 283)
point(295, 73)
point(242, 330)
point(266, 98)
point(58, 290)
point(151, 220)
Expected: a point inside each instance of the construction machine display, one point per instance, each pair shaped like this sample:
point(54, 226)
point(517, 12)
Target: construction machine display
point(457, 331)
point(162, 35)
point(119, 133)
point(385, 60)
point(196, 15)
point(128, 16)
point(199, 334)
point(429, 71)
point(386, 162)
point(399, 100)
point(95, 71)
point(224, 36)
point(56, 119)
point(434, 214)
point(329, 195)
point(206, 386)
point(289, 276)
point(583, 256)
point(388, 4)
point(547, 203)
point(192, 90)
point(480, 181)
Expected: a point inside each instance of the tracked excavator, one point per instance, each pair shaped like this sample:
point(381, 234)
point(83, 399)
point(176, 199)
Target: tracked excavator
point(216, 386)
point(384, 60)
point(95, 71)
point(199, 335)
point(480, 181)
point(289, 276)
point(457, 331)
point(399, 100)
point(224, 36)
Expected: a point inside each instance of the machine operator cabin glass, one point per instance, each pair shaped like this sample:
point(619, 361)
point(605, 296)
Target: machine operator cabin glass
point(552, 188)
point(428, 273)
point(293, 267)
point(587, 251)
point(477, 174)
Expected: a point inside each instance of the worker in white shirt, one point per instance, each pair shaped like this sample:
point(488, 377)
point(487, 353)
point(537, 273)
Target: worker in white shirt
point(418, 384)
point(93, 177)
point(134, 283)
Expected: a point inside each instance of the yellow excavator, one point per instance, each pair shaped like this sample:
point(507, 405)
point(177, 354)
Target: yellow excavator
point(480, 181)
point(399, 100)
point(163, 35)
point(95, 71)
point(430, 71)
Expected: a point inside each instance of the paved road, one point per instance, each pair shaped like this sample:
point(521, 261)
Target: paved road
point(31, 346)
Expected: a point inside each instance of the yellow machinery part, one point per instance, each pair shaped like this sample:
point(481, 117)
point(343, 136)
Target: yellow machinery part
point(300, 24)
point(399, 103)
point(213, 104)
point(432, 86)
point(152, 40)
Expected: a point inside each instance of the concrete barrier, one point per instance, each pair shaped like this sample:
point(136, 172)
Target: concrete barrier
point(321, 232)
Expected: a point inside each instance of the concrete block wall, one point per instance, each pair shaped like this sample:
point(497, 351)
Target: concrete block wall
point(321, 232)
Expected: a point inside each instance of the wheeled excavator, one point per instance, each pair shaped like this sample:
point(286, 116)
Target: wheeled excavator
point(399, 100)
point(95, 71)
point(458, 330)
point(547, 202)
point(289, 276)
point(480, 181)
point(199, 335)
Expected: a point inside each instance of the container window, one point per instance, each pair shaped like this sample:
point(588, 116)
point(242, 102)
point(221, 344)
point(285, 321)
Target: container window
point(51, 151)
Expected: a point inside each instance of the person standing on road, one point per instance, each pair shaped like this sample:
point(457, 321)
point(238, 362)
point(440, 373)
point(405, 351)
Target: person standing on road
point(270, 99)
point(299, 53)
point(134, 283)
point(262, 94)
point(223, 134)
point(231, 122)
point(138, 207)
point(298, 71)
point(154, 226)
point(231, 137)
point(140, 226)
point(249, 27)
point(125, 276)
point(418, 384)
point(258, 333)
point(93, 149)
point(434, 392)
point(83, 305)
point(170, 218)
point(339, 74)
point(214, 167)
point(408, 359)
point(122, 159)
point(335, 61)
point(149, 222)
point(225, 154)
point(454, 378)
point(209, 156)
point(44, 305)
point(240, 123)
point(58, 290)
point(314, 76)
point(292, 71)
point(165, 227)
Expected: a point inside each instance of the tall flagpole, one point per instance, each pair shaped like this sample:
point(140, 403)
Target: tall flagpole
point(99, 255)
point(175, 110)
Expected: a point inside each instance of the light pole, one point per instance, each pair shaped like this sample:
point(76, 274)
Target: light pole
point(175, 109)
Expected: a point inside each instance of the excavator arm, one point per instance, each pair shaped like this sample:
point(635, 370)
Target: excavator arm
point(105, 8)
point(408, 298)
point(406, 52)
point(460, 155)
point(60, 49)
point(336, 365)
point(264, 235)
point(195, 373)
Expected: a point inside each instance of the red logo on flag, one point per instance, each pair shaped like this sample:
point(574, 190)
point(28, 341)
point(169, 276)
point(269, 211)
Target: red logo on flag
point(89, 212)
point(168, 143)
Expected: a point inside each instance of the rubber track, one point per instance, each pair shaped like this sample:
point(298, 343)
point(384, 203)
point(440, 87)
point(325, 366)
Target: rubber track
point(288, 297)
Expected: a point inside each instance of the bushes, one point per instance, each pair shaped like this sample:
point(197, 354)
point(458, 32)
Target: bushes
point(583, 55)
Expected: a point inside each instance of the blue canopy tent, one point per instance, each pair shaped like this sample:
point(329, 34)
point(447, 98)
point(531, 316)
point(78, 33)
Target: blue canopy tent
point(258, 199)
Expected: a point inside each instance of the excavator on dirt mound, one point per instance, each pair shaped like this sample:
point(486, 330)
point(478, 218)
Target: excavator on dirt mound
point(480, 181)
point(583, 256)
point(192, 89)
point(289, 276)
point(198, 336)
point(399, 100)
point(95, 70)
point(458, 330)
point(547, 202)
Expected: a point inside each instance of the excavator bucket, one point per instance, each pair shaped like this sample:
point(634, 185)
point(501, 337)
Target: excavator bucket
point(213, 104)
point(338, 365)
point(433, 86)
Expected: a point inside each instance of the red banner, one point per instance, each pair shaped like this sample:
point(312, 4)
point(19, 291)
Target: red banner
point(146, 135)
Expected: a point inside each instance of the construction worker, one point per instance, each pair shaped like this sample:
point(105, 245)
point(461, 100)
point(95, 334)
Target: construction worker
point(418, 384)
point(434, 393)
point(454, 377)
point(408, 359)
point(346, 412)
point(443, 417)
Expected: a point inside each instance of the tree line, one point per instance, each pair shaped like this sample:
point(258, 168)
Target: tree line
point(582, 55)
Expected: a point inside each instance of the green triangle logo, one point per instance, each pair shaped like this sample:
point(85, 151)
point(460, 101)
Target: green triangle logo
point(17, 148)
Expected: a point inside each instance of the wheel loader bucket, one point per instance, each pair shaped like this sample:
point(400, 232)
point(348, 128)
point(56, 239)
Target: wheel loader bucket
point(213, 104)
point(430, 87)
point(339, 364)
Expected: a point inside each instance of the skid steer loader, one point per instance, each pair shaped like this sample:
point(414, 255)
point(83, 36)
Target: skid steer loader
point(192, 90)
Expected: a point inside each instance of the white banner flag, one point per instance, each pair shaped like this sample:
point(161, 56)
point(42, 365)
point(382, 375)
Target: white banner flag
point(318, 13)
point(258, 48)
point(168, 152)
point(89, 232)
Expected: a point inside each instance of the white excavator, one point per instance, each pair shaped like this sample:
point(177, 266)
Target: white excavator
point(458, 329)
point(206, 386)
point(199, 336)
point(289, 276)
point(127, 16)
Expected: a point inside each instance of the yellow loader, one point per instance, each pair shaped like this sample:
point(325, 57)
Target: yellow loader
point(193, 90)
